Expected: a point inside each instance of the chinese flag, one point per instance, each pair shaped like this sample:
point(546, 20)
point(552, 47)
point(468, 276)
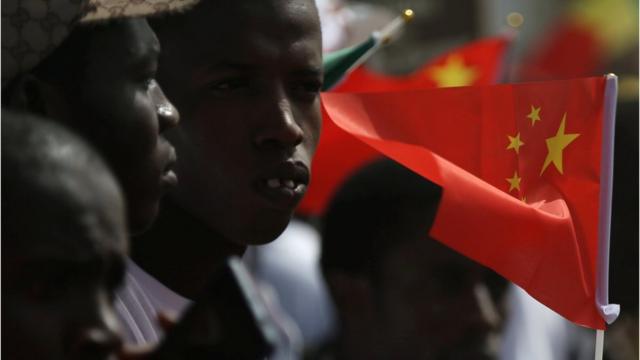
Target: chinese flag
point(520, 167)
point(477, 63)
point(339, 154)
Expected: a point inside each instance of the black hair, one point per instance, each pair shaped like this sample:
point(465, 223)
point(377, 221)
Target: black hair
point(369, 213)
point(40, 163)
point(381, 206)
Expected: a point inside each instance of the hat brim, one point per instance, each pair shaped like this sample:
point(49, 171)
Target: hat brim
point(101, 10)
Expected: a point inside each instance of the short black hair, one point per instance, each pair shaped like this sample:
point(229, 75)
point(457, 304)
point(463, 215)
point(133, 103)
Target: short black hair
point(40, 163)
point(379, 208)
point(369, 213)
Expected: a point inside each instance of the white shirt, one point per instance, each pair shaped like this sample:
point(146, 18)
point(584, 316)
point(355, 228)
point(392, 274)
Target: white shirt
point(142, 296)
point(138, 303)
point(534, 332)
point(291, 265)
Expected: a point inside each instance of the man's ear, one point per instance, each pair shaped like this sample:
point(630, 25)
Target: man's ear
point(31, 94)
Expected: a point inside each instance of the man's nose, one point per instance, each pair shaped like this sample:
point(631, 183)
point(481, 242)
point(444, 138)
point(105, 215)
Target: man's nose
point(279, 128)
point(168, 115)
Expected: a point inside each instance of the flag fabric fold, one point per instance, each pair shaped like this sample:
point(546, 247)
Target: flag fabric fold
point(520, 169)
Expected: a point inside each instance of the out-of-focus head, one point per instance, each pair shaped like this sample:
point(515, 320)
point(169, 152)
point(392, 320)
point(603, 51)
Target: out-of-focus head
point(91, 65)
point(63, 244)
point(246, 76)
point(414, 297)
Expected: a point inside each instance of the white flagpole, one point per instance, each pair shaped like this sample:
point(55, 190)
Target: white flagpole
point(609, 311)
point(599, 344)
point(385, 35)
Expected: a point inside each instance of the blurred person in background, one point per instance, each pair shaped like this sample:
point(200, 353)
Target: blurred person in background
point(400, 294)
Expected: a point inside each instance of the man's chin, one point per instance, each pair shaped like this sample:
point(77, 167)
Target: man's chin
point(265, 230)
point(141, 219)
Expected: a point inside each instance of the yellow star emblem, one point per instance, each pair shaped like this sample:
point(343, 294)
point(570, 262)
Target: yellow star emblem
point(514, 182)
point(515, 143)
point(534, 115)
point(555, 146)
point(453, 73)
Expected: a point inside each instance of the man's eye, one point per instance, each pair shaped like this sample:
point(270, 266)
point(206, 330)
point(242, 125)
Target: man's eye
point(308, 90)
point(229, 85)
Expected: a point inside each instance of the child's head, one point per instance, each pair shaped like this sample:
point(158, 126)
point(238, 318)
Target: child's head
point(63, 244)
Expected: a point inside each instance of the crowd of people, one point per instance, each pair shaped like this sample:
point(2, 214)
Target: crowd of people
point(147, 145)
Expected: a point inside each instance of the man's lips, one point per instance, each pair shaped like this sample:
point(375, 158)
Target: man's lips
point(169, 177)
point(284, 185)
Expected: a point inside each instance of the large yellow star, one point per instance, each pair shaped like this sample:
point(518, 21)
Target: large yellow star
point(534, 115)
point(515, 143)
point(453, 73)
point(514, 182)
point(555, 146)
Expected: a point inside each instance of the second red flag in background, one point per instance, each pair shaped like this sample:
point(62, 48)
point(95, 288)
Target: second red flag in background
point(339, 154)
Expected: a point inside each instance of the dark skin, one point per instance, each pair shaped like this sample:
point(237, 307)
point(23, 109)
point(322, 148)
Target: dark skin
point(116, 104)
point(251, 122)
point(63, 256)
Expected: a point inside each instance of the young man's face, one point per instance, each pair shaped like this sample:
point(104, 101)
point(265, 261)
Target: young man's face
point(246, 76)
point(60, 271)
point(123, 112)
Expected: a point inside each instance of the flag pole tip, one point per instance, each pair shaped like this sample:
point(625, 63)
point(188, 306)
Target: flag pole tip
point(515, 19)
point(408, 15)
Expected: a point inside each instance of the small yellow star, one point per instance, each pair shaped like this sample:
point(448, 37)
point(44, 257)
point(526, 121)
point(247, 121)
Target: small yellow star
point(534, 115)
point(453, 73)
point(515, 143)
point(514, 182)
point(555, 146)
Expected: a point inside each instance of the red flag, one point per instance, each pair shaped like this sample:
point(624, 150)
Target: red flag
point(520, 171)
point(570, 50)
point(587, 36)
point(477, 63)
point(339, 154)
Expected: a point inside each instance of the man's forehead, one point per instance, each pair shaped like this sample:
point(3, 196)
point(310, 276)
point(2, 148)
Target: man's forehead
point(216, 27)
point(131, 39)
point(256, 48)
